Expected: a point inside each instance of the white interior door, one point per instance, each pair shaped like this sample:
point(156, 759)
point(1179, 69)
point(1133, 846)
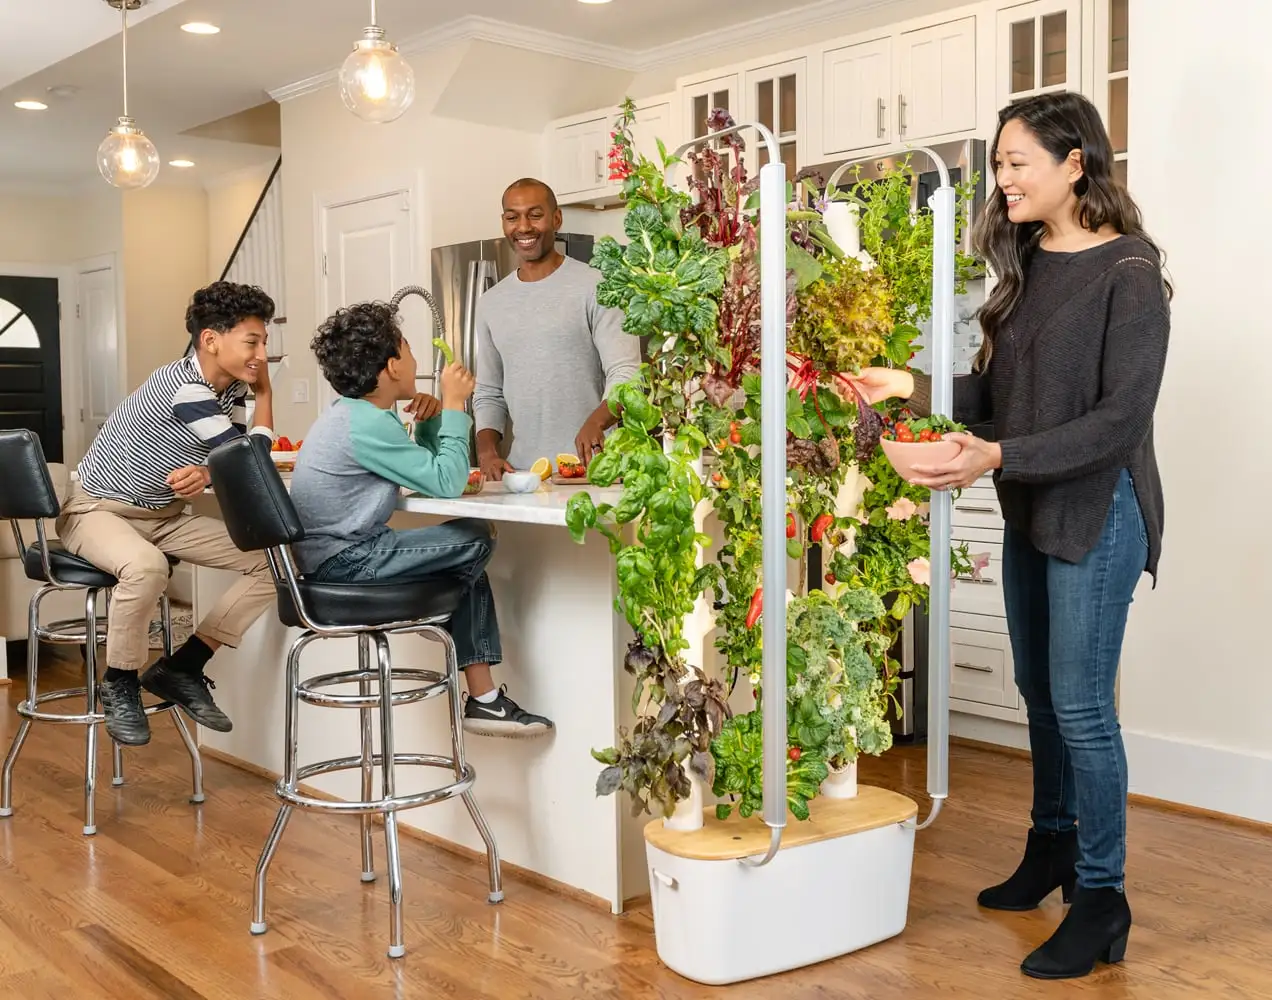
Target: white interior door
point(99, 320)
point(367, 257)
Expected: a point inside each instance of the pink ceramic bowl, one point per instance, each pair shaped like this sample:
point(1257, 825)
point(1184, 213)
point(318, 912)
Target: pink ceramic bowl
point(905, 455)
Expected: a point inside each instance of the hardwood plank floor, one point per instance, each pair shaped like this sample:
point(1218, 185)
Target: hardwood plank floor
point(157, 904)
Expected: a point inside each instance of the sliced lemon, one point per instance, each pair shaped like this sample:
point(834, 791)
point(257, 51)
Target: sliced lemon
point(542, 467)
point(567, 460)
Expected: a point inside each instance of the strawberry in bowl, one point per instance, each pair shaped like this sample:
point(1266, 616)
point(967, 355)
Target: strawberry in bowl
point(921, 442)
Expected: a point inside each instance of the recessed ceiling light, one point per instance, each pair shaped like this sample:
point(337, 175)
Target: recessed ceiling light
point(594, 1)
point(31, 105)
point(181, 163)
point(200, 28)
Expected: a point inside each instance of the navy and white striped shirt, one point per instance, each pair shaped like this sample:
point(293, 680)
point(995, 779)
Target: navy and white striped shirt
point(173, 420)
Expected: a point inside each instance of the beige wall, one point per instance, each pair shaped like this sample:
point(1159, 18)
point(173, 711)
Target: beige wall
point(230, 204)
point(165, 258)
point(1197, 672)
point(35, 230)
point(464, 168)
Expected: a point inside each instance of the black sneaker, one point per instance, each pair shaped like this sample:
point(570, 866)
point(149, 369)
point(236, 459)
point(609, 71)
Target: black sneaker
point(126, 721)
point(502, 717)
point(189, 689)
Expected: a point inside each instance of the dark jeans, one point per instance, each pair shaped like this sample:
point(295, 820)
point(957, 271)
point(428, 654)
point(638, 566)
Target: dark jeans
point(1066, 622)
point(462, 547)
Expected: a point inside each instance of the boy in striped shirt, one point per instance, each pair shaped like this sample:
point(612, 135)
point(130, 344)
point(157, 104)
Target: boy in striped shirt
point(127, 513)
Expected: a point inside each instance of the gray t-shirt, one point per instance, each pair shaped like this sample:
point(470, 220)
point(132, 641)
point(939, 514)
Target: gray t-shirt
point(547, 355)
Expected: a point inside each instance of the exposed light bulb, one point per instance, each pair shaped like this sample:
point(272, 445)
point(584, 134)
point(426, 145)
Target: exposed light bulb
point(376, 83)
point(127, 158)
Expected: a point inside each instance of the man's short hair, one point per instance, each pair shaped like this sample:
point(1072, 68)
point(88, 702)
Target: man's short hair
point(223, 305)
point(355, 344)
point(526, 182)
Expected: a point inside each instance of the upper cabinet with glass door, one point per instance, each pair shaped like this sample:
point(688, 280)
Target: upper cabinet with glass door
point(1039, 49)
point(1112, 72)
point(775, 97)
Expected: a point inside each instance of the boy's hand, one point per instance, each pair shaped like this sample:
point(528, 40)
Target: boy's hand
point(424, 406)
point(189, 480)
point(457, 385)
point(262, 386)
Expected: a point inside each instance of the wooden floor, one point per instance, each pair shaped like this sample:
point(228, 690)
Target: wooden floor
point(157, 904)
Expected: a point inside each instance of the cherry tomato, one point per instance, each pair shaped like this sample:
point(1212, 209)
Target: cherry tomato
point(830, 578)
point(906, 435)
point(794, 753)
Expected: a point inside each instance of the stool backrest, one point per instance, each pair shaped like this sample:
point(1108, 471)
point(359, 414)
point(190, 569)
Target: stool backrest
point(255, 505)
point(26, 488)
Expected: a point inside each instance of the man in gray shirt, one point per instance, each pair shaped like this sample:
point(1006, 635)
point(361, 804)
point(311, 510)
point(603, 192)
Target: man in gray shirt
point(547, 353)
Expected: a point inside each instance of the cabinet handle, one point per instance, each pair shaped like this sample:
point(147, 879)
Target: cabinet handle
point(600, 159)
point(984, 581)
point(975, 666)
point(901, 112)
point(968, 509)
point(881, 118)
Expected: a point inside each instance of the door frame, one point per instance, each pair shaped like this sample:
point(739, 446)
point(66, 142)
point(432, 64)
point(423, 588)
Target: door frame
point(71, 346)
point(408, 183)
point(84, 266)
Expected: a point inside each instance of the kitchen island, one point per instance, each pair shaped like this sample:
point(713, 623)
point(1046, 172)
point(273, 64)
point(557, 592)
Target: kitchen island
point(563, 646)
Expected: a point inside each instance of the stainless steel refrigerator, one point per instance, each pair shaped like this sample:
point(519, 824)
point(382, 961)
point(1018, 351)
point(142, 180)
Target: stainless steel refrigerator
point(463, 273)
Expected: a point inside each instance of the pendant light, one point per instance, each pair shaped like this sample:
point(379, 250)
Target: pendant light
point(126, 157)
point(376, 83)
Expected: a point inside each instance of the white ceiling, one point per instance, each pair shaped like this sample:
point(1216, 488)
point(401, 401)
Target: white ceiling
point(179, 81)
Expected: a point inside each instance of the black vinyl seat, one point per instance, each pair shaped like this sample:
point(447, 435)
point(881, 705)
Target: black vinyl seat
point(359, 605)
point(68, 567)
point(27, 494)
point(259, 515)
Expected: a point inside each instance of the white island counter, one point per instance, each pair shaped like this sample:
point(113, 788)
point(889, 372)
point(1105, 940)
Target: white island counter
point(563, 646)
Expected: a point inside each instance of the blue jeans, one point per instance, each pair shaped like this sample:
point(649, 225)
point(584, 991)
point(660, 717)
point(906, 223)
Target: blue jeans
point(1066, 622)
point(461, 548)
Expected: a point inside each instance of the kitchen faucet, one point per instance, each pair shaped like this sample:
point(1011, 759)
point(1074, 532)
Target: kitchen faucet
point(438, 332)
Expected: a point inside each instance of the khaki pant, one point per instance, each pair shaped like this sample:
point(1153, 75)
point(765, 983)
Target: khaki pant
point(130, 543)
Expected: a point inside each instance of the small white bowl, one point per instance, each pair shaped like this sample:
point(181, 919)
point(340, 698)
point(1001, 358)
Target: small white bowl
point(522, 482)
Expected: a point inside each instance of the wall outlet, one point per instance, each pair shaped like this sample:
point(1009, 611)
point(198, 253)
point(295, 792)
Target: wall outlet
point(300, 390)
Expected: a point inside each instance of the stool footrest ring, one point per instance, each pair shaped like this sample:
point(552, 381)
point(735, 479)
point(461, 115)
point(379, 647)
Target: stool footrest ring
point(294, 797)
point(26, 711)
point(432, 684)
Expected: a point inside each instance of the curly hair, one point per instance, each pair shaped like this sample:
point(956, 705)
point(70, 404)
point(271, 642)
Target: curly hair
point(223, 305)
point(355, 344)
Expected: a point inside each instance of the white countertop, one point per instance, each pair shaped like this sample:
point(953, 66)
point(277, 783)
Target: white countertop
point(495, 503)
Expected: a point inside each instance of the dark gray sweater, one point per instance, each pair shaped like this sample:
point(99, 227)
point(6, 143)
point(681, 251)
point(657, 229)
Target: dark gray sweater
point(1070, 390)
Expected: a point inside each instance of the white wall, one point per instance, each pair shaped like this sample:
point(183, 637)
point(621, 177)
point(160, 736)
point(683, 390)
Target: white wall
point(230, 203)
point(1196, 691)
point(463, 167)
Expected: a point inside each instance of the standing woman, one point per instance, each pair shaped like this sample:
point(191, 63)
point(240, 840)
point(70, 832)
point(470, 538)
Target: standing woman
point(1069, 373)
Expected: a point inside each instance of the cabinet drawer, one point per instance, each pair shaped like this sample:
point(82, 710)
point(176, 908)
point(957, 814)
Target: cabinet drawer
point(983, 596)
point(981, 668)
point(977, 507)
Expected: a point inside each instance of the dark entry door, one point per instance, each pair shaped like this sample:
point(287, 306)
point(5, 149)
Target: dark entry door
point(31, 360)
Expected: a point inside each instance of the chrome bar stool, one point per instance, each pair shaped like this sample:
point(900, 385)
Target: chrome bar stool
point(26, 493)
point(259, 515)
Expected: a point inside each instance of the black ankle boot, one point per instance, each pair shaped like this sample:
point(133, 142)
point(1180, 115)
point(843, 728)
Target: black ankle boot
point(1048, 865)
point(1096, 928)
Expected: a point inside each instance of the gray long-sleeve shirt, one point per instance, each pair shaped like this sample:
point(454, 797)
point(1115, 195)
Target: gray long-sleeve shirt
point(547, 355)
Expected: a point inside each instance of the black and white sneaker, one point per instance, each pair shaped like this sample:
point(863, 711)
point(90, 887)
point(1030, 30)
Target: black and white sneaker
point(126, 721)
point(502, 717)
point(190, 690)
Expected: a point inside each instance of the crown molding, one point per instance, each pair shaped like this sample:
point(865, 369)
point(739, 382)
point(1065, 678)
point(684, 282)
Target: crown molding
point(474, 28)
point(809, 16)
point(487, 29)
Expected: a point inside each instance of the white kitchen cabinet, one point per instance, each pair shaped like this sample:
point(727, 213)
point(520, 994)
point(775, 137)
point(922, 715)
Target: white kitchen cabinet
point(775, 96)
point(981, 668)
point(856, 95)
point(1039, 49)
point(577, 152)
point(936, 72)
point(906, 87)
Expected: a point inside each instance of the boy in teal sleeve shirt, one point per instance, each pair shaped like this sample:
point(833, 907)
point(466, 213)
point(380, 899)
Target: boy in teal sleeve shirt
point(346, 485)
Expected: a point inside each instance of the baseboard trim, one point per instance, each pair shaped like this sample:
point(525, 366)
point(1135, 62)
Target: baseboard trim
point(1204, 780)
point(424, 837)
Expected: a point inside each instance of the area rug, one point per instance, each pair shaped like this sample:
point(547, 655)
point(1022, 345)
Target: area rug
point(182, 626)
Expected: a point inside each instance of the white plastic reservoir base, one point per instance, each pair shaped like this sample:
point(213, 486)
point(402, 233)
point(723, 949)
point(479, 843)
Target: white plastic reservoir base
point(841, 882)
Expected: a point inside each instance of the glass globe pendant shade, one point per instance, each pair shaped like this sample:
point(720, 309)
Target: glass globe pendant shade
point(126, 157)
point(376, 83)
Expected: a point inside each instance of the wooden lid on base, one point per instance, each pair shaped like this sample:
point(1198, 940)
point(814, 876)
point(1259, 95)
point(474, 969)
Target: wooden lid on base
point(735, 837)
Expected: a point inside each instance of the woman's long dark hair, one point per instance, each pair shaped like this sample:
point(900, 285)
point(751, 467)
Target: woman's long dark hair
point(1061, 122)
